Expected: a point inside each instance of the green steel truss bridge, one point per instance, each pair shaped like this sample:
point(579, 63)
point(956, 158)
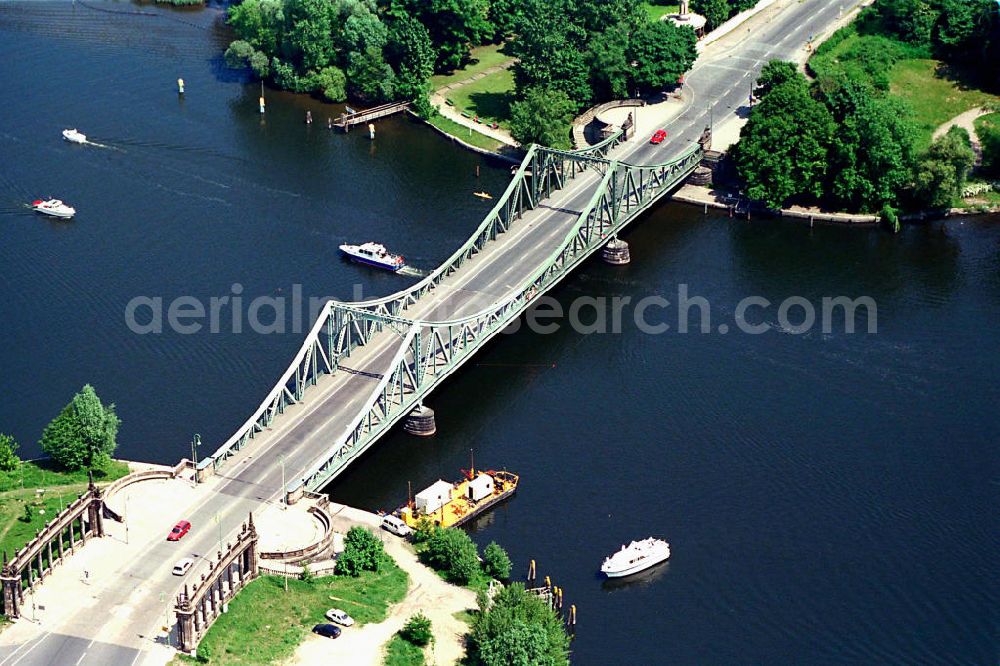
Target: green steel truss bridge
point(403, 345)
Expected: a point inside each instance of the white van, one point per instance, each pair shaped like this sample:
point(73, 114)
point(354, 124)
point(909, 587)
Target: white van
point(396, 526)
point(182, 566)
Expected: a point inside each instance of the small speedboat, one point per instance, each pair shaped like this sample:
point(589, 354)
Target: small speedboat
point(635, 557)
point(73, 136)
point(53, 207)
point(483, 195)
point(374, 254)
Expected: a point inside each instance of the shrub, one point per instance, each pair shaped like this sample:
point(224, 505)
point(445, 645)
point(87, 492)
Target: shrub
point(238, 54)
point(363, 551)
point(306, 576)
point(8, 453)
point(452, 551)
point(496, 562)
point(417, 630)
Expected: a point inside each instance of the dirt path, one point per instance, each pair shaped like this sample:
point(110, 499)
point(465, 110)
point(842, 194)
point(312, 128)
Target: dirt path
point(429, 594)
point(966, 121)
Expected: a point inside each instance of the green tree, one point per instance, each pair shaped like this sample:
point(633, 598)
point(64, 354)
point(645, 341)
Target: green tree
point(911, 20)
point(551, 51)
point(597, 16)
point(453, 26)
point(661, 52)
point(609, 64)
point(306, 575)
point(331, 82)
point(29, 513)
point(8, 453)
point(940, 174)
point(83, 434)
point(715, 11)
point(260, 64)
point(773, 74)
point(496, 562)
point(259, 22)
point(369, 77)
point(544, 117)
point(783, 148)
point(988, 131)
point(871, 160)
point(452, 551)
point(307, 40)
point(410, 53)
point(417, 630)
point(518, 629)
point(237, 56)
point(363, 551)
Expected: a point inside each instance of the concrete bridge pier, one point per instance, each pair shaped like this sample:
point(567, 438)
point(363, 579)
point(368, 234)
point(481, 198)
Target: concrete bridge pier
point(616, 252)
point(420, 422)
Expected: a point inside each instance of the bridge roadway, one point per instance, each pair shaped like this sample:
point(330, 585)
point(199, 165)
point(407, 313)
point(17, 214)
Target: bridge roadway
point(722, 76)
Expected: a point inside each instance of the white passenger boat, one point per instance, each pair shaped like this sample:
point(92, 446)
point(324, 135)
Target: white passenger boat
point(53, 207)
point(635, 557)
point(73, 136)
point(374, 254)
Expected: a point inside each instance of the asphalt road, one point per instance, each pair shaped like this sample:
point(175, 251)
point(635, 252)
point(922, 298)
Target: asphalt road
point(719, 85)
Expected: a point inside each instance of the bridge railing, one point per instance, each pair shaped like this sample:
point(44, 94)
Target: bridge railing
point(541, 172)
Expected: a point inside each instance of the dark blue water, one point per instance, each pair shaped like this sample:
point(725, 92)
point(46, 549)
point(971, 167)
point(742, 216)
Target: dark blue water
point(829, 498)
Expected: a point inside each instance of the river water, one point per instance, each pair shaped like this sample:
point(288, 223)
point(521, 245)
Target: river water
point(829, 497)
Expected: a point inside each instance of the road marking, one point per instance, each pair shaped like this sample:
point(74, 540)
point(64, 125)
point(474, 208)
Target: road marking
point(37, 643)
point(81, 657)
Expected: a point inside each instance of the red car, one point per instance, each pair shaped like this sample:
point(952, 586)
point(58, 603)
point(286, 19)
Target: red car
point(658, 136)
point(180, 529)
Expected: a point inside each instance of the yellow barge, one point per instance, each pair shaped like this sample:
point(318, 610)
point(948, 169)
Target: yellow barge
point(452, 504)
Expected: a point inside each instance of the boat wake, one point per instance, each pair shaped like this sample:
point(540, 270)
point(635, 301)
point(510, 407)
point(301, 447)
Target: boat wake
point(410, 271)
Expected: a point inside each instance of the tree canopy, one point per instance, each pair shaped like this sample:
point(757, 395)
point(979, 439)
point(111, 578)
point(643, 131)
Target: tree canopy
point(84, 433)
point(363, 551)
point(941, 172)
point(543, 117)
point(784, 147)
point(518, 629)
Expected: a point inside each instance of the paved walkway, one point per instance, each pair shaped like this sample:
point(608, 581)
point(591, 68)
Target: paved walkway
point(450, 112)
point(967, 122)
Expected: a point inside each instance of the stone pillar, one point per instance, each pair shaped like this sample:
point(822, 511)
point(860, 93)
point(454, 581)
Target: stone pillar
point(11, 581)
point(185, 630)
point(52, 564)
point(94, 513)
point(420, 422)
point(61, 534)
point(41, 566)
point(616, 252)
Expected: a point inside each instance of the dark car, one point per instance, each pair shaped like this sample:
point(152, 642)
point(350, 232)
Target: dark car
point(328, 630)
point(658, 136)
point(180, 529)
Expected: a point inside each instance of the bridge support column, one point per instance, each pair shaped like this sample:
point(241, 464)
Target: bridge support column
point(616, 252)
point(420, 422)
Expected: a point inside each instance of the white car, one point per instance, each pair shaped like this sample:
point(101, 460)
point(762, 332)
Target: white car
point(396, 526)
point(339, 616)
point(182, 566)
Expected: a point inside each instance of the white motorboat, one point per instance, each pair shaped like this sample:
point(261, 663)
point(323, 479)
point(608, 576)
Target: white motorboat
point(73, 136)
point(635, 557)
point(53, 207)
point(374, 254)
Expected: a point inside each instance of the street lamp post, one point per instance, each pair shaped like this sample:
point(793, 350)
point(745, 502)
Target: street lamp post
point(195, 441)
point(284, 494)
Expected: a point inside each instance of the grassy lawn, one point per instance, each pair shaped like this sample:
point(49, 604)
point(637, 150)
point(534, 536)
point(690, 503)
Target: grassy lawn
point(657, 9)
point(401, 652)
point(465, 134)
point(482, 57)
point(265, 624)
point(935, 98)
point(489, 98)
point(60, 488)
